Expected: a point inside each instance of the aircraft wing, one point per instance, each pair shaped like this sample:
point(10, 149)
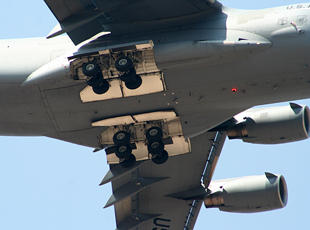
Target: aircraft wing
point(150, 196)
point(82, 19)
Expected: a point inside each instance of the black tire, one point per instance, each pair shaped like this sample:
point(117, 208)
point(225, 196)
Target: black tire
point(161, 158)
point(156, 147)
point(123, 151)
point(90, 69)
point(121, 138)
point(95, 81)
point(123, 64)
point(129, 162)
point(135, 84)
point(154, 134)
point(102, 88)
point(129, 75)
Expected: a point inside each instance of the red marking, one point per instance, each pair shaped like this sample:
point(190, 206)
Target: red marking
point(234, 90)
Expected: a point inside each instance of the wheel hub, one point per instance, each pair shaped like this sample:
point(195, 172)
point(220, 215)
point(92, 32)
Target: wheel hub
point(120, 136)
point(154, 145)
point(122, 62)
point(90, 67)
point(153, 132)
point(122, 149)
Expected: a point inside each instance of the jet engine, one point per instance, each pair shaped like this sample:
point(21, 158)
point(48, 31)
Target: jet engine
point(248, 194)
point(273, 125)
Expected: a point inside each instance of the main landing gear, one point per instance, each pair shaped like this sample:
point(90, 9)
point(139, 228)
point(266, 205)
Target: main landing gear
point(155, 146)
point(127, 74)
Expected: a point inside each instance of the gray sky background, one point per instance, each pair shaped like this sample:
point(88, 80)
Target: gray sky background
point(49, 184)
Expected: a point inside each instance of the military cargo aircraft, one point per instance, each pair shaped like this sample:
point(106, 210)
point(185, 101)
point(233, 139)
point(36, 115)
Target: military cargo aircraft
point(150, 143)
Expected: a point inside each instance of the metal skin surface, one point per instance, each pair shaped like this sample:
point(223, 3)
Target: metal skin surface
point(216, 65)
point(204, 89)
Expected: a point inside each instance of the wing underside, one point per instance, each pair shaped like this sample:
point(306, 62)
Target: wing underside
point(151, 196)
point(82, 19)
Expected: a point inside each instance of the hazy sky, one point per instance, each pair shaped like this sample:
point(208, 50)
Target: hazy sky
point(49, 184)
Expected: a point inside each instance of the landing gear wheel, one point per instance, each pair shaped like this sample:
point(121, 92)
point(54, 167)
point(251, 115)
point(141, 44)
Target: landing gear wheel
point(90, 69)
point(123, 151)
point(156, 147)
point(102, 88)
point(95, 81)
point(123, 64)
point(161, 158)
point(129, 75)
point(154, 134)
point(135, 84)
point(129, 162)
point(121, 138)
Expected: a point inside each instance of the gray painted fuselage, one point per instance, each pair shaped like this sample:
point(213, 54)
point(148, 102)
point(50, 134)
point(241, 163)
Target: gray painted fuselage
point(199, 74)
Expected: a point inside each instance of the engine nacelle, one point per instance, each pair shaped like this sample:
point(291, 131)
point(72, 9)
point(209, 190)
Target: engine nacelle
point(272, 125)
point(248, 194)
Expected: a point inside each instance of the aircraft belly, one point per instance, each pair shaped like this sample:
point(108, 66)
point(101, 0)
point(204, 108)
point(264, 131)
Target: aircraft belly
point(22, 112)
point(203, 90)
point(202, 97)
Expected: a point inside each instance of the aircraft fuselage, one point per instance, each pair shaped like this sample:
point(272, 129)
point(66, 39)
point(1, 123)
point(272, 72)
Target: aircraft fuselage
point(233, 61)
